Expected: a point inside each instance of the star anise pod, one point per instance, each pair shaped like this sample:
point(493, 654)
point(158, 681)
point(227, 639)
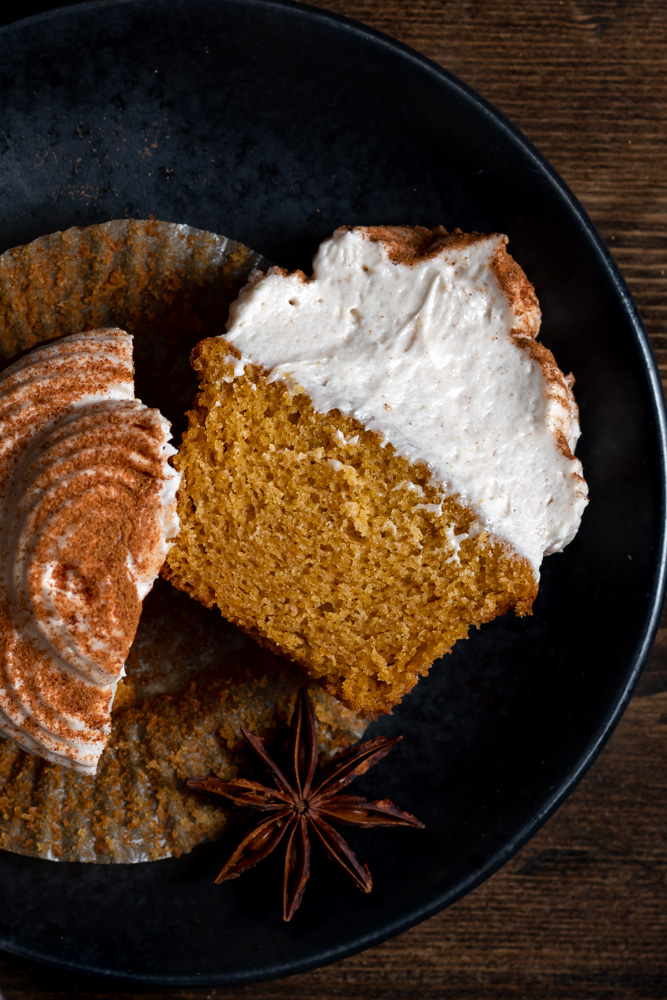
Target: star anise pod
point(304, 806)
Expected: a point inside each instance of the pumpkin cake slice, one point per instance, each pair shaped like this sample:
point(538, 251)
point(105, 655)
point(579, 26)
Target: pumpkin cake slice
point(378, 458)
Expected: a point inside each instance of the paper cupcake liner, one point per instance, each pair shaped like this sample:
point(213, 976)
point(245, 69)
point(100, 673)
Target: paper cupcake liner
point(169, 285)
point(192, 678)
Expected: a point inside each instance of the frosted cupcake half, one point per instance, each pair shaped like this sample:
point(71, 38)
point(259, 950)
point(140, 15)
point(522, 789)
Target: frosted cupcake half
point(379, 457)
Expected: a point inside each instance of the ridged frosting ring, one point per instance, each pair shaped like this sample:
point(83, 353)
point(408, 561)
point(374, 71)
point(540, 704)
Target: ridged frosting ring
point(87, 512)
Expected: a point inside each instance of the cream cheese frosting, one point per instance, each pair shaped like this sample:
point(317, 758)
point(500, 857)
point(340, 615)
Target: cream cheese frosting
point(87, 514)
point(428, 339)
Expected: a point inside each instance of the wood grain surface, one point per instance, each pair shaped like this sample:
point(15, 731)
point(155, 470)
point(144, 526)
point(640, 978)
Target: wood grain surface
point(580, 913)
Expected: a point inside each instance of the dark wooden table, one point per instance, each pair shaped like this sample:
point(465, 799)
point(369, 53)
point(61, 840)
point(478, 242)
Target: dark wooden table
point(580, 913)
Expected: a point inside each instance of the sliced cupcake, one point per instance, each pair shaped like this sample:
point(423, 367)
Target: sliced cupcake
point(379, 457)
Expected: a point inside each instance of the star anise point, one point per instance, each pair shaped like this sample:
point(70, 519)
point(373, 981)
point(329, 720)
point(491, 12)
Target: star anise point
point(306, 805)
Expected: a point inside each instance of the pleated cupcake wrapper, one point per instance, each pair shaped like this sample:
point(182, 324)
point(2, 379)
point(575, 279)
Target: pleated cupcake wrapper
point(169, 285)
point(192, 679)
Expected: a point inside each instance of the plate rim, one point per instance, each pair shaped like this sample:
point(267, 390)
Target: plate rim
point(658, 412)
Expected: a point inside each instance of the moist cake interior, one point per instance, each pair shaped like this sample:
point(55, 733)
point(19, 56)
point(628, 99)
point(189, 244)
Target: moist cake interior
point(323, 544)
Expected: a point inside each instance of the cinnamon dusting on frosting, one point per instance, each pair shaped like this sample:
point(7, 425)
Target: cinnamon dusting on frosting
point(558, 386)
point(411, 245)
point(87, 509)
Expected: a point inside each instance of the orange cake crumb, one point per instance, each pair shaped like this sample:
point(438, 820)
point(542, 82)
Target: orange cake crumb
point(328, 551)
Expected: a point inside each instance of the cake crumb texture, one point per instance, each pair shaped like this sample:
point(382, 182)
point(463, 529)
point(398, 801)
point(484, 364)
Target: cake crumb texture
point(325, 545)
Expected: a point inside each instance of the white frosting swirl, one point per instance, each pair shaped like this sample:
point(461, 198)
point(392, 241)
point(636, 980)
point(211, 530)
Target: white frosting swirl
point(87, 513)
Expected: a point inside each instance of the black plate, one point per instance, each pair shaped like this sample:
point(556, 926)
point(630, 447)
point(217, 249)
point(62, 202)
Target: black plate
point(274, 123)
